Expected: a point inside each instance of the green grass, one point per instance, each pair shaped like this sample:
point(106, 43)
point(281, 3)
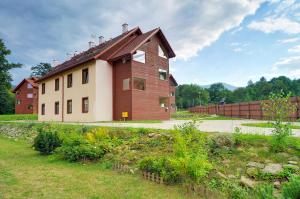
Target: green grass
point(134, 121)
point(186, 115)
point(26, 174)
point(266, 125)
point(18, 117)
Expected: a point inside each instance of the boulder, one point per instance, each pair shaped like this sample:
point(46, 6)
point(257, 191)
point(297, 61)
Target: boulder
point(222, 175)
point(272, 168)
point(247, 182)
point(230, 176)
point(291, 166)
point(252, 172)
point(256, 165)
point(277, 184)
point(292, 162)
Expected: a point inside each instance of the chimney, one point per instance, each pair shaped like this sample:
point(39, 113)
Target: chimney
point(91, 44)
point(101, 39)
point(124, 28)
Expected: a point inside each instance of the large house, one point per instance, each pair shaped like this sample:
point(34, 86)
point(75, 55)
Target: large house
point(26, 96)
point(124, 78)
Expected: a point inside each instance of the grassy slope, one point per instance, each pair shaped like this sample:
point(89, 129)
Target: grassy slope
point(266, 125)
point(18, 117)
point(26, 174)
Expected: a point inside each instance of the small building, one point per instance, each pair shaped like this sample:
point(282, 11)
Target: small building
point(124, 78)
point(26, 96)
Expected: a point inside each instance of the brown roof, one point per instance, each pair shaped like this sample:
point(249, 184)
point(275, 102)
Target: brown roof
point(173, 80)
point(97, 51)
point(31, 80)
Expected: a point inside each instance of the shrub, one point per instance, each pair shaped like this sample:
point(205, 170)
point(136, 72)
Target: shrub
point(238, 192)
point(47, 140)
point(77, 148)
point(264, 191)
point(291, 189)
point(221, 143)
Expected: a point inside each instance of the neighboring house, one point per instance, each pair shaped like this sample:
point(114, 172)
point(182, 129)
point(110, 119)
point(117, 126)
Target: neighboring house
point(173, 85)
point(123, 78)
point(27, 97)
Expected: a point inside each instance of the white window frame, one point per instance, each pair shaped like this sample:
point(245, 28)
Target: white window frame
point(29, 85)
point(162, 71)
point(161, 52)
point(140, 56)
point(29, 95)
point(126, 84)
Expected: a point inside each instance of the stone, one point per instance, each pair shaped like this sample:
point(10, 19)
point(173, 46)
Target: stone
point(252, 172)
point(291, 166)
point(292, 162)
point(268, 161)
point(272, 168)
point(222, 175)
point(247, 182)
point(230, 176)
point(256, 165)
point(277, 184)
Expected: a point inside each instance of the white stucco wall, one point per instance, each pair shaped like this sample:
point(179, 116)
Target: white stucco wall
point(103, 91)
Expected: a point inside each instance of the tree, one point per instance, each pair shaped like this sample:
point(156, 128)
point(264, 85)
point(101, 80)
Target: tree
point(218, 93)
point(189, 95)
point(40, 70)
point(6, 96)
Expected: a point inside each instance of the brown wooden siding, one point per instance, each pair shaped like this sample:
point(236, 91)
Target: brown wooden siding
point(22, 108)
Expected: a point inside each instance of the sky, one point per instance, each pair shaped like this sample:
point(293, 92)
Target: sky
point(231, 41)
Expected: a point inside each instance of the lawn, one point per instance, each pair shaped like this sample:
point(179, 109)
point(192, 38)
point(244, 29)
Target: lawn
point(266, 125)
point(186, 115)
point(134, 121)
point(26, 174)
point(18, 117)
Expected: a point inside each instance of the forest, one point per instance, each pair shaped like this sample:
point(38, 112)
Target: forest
point(189, 95)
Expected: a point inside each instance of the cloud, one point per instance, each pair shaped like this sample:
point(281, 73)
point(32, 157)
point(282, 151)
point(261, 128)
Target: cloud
point(239, 47)
point(295, 49)
point(287, 63)
point(271, 25)
point(289, 40)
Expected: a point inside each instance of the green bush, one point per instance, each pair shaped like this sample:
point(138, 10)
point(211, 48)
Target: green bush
point(291, 189)
point(47, 140)
point(77, 148)
point(238, 192)
point(221, 143)
point(264, 191)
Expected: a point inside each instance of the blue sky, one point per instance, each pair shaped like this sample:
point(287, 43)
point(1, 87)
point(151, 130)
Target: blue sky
point(229, 41)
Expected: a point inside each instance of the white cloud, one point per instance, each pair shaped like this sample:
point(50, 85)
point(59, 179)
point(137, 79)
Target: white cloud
point(287, 64)
point(289, 40)
point(295, 49)
point(271, 25)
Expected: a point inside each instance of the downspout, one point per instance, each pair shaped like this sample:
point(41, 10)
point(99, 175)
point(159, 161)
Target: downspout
point(62, 100)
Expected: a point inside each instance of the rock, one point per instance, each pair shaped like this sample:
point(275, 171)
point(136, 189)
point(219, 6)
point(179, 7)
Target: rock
point(154, 135)
point(247, 182)
point(252, 172)
point(268, 161)
point(291, 166)
point(222, 175)
point(230, 176)
point(292, 162)
point(256, 165)
point(277, 184)
point(272, 168)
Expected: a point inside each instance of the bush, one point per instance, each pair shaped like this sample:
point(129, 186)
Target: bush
point(77, 148)
point(291, 189)
point(264, 191)
point(221, 143)
point(47, 140)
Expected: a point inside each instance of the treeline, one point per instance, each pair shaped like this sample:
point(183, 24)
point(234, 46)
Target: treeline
point(189, 95)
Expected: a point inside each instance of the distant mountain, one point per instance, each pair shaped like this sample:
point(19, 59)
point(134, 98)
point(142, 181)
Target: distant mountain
point(228, 86)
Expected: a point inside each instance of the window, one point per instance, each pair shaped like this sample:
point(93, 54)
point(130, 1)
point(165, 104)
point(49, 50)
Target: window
point(139, 83)
point(139, 56)
point(43, 88)
point(56, 84)
point(69, 80)
point(69, 106)
point(173, 106)
point(85, 105)
point(29, 85)
point(162, 74)
point(172, 94)
point(126, 84)
point(18, 101)
point(18, 93)
point(85, 76)
point(56, 108)
point(163, 102)
point(29, 107)
point(43, 109)
point(29, 95)
point(161, 53)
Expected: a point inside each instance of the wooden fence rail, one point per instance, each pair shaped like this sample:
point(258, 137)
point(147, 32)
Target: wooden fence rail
point(248, 110)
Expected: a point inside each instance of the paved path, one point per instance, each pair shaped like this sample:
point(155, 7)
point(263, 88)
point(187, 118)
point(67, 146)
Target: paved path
point(223, 126)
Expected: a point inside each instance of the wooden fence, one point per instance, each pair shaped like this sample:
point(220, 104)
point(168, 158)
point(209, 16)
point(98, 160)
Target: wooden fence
point(248, 110)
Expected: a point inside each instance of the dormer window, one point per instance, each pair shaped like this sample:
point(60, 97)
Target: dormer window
point(29, 85)
point(139, 56)
point(161, 53)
